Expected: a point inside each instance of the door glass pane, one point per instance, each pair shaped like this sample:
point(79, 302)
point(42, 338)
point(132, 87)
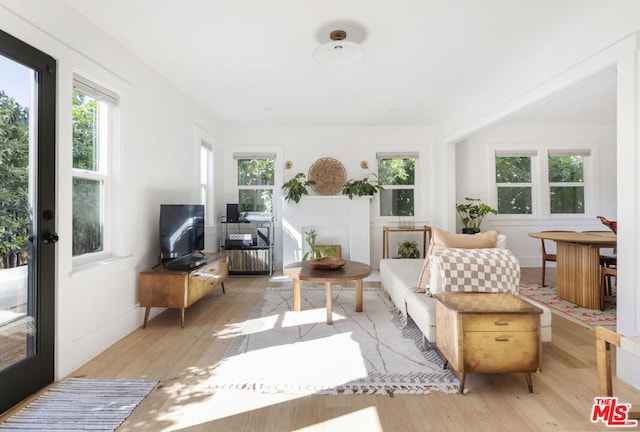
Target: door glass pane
point(17, 115)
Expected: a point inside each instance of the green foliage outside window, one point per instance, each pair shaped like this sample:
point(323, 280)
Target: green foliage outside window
point(567, 199)
point(392, 172)
point(87, 194)
point(85, 131)
point(396, 202)
point(513, 178)
point(14, 172)
point(514, 200)
point(397, 171)
point(255, 200)
point(566, 169)
point(255, 172)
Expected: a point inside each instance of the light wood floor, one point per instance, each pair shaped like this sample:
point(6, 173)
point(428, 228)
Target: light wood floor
point(182, 360)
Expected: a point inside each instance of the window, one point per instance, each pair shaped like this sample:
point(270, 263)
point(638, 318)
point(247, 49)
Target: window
point(255, 175)
point(566, 181)
point(397, 174)
point(93, 113)
point(514, 182)
point(526, 184)
point(206, 180)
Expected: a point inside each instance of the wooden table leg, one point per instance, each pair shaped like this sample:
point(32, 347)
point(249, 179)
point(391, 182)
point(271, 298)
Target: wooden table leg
point(462, 377)
point(296, 295)
point(359, 295)
point(527, 377)
point(385, 242)
point(578, 274)
point(182, 317)
point(146, 317)
point(329, 295)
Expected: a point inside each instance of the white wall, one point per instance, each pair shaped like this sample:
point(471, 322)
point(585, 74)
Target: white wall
point(97, 306)
point(349, 145)
point(474, 173)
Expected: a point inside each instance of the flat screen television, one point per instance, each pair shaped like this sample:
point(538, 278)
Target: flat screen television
point(181, 230)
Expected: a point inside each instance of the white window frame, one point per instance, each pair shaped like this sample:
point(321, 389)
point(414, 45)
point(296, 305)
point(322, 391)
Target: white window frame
point(585, 153)
point(254, 155)
point(206, 179)
point(540, 177)
point(109, 134)
point(534, 184)
point(414, 187)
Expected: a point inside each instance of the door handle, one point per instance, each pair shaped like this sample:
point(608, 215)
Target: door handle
point(49, 238)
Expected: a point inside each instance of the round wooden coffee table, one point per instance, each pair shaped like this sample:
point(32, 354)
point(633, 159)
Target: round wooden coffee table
point(351, 271)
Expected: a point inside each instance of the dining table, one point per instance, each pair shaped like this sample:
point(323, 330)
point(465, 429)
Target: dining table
point(578, 264)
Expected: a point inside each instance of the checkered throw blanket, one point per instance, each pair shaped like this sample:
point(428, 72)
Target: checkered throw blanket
point(478, 270)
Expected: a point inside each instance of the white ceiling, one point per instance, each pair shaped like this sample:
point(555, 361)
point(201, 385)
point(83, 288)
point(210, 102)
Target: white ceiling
point(250, 61)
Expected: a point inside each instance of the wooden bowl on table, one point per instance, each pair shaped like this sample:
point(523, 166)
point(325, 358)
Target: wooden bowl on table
point(327, 263)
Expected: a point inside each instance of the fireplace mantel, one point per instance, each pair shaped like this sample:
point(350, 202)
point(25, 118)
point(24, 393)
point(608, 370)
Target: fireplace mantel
point(336, 211)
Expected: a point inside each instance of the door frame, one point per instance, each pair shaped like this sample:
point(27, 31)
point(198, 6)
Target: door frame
point(33, 373)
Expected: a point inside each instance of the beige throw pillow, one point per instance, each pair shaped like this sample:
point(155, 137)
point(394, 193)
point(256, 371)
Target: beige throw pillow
point(441, 240)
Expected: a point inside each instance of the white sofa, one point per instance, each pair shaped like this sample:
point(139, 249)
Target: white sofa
point(399, 277)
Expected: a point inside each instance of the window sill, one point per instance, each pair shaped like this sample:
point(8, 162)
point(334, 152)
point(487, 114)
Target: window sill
point(98, 264)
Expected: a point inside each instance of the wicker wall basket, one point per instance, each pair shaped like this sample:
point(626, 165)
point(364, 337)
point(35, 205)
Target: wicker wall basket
point(329, 175)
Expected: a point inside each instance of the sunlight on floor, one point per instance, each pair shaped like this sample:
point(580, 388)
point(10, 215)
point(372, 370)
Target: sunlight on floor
point(227, 405)
point(216, 407)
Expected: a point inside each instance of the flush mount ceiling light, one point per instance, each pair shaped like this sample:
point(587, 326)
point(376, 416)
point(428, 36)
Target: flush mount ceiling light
point(338, 50)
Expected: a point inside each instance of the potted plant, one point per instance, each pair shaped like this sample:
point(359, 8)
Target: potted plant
point(472, 213)
point(296, 187)
point(408, 249)
point(362, 187)
point(316, 252)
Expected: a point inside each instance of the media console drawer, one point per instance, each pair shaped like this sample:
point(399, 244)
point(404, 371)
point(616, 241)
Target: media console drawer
point(160, 287)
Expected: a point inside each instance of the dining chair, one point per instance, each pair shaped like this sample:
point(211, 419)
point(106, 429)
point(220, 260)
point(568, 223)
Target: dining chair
point(548, 256)
point(606, 260)
point(606, 272)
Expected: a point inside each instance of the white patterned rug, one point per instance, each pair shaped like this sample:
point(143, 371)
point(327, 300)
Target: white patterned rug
point(280, 351)
point(81, 404)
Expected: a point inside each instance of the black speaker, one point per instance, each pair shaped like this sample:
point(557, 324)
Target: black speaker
point(263, 236)
point(232, 213)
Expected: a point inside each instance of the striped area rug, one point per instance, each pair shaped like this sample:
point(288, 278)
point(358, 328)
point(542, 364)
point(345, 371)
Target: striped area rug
point(81, 404)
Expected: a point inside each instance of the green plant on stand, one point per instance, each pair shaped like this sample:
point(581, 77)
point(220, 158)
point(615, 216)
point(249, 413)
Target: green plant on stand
point(316, 252)
point(296, 187)
point(472, 213)
point(408, 249)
